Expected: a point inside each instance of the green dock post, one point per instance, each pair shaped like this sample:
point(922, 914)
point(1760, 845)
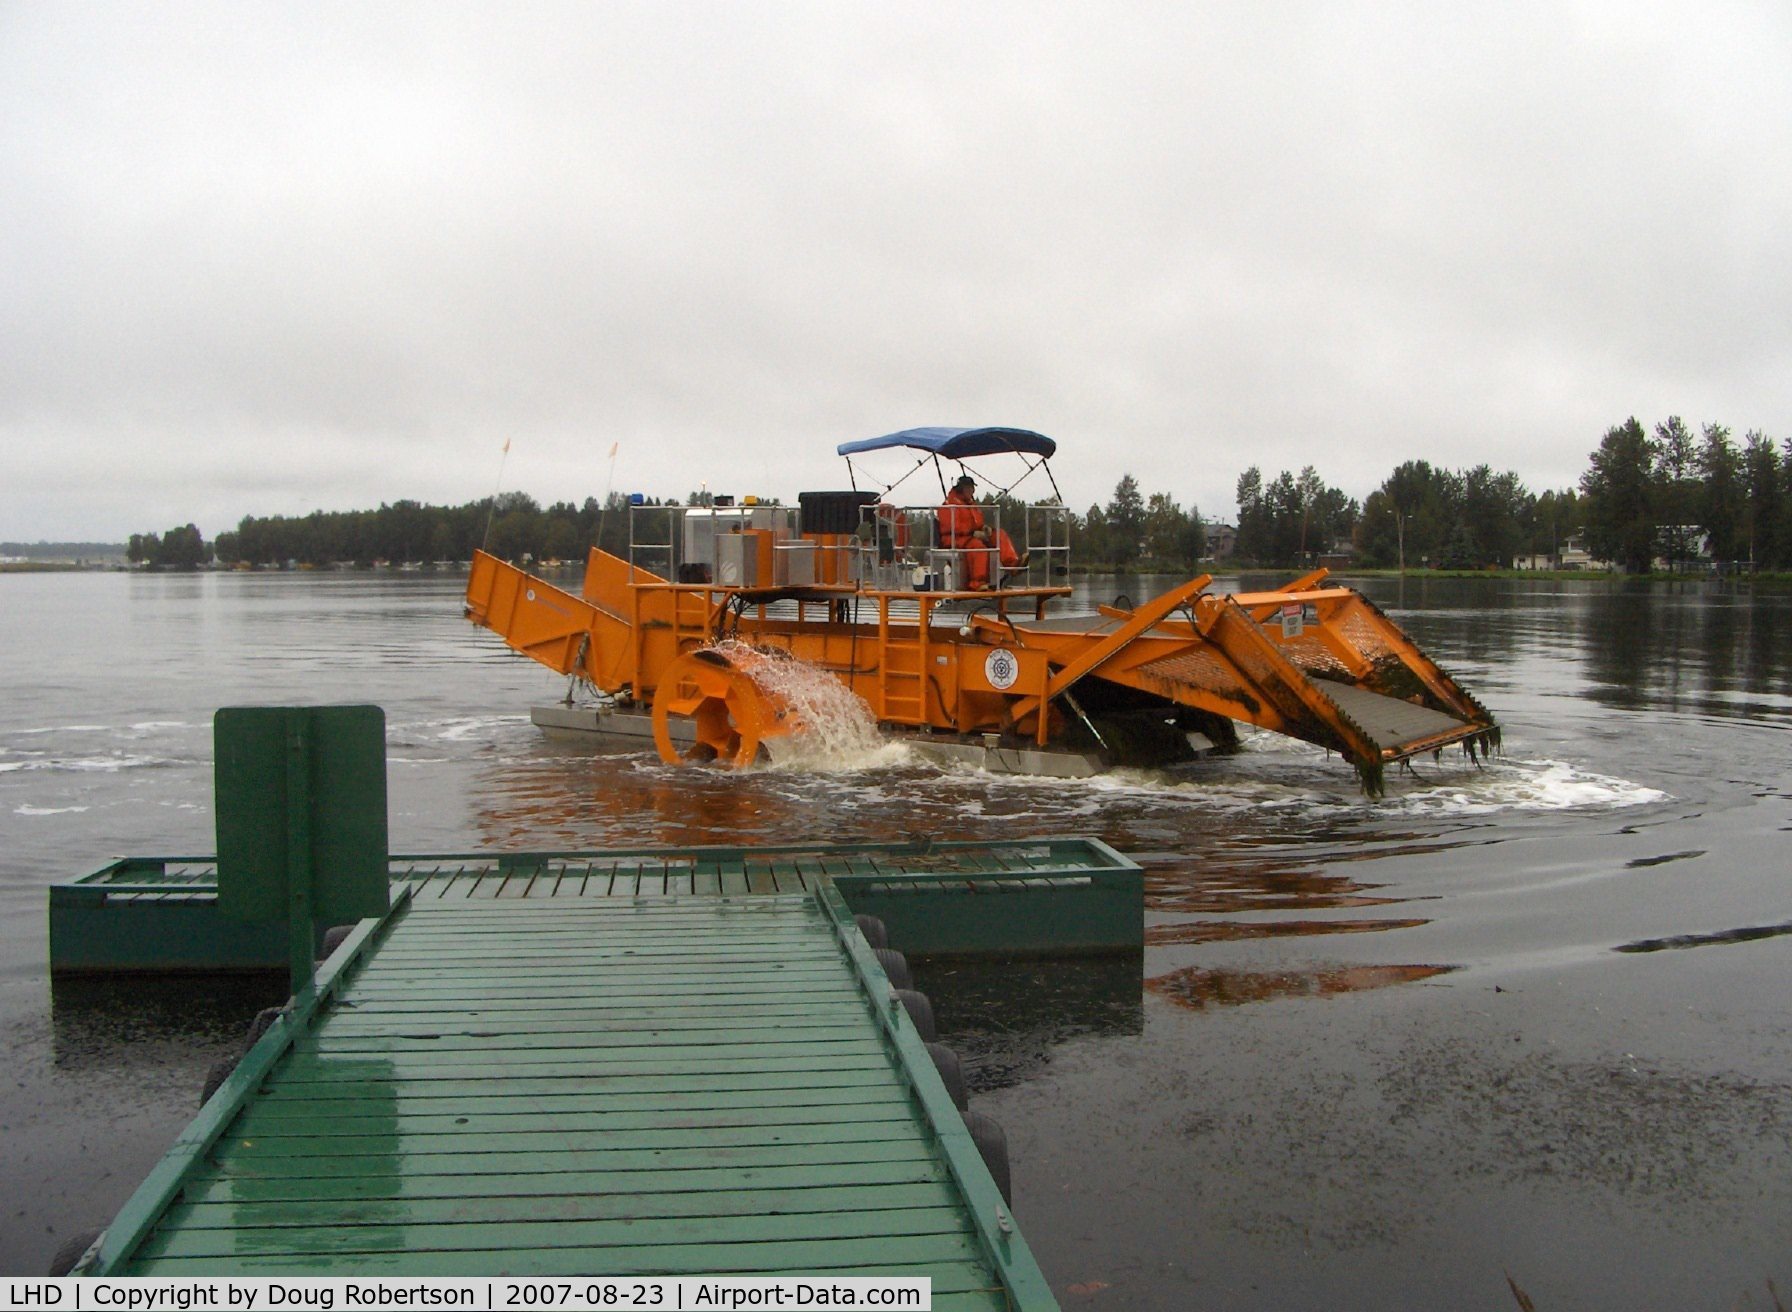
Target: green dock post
point(301, 812)
point(301, 951)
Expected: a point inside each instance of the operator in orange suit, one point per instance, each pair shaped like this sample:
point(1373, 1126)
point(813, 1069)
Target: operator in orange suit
point(962, 529)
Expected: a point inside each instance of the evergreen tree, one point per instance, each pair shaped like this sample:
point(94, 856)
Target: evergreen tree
point(1287, 529)
point(1554, 518)
point(612, 533)
point(1461, 551)
point(1619, 489)
point(1762, 512)
point(1782, 520)
point(1092, 546)
point(1473, 520)
point(1494, 510)
point(1166, 531)
point(1194, 537)
point(1125, 522)
point(1409, 517)
point(1253, 518)
point(1676, 494)
point(561, 541)
point(178, 548)
point(1720, 500)
point(183, 548)
point(1291, 520)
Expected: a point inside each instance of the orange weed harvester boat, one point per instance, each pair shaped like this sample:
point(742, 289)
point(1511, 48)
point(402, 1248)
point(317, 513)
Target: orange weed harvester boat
point(967, 657)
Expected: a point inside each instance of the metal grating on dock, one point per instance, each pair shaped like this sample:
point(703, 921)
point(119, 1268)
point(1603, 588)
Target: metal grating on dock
point(607, 1085)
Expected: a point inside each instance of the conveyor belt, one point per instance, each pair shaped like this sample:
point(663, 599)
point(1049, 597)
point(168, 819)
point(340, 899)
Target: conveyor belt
point(1393, 724)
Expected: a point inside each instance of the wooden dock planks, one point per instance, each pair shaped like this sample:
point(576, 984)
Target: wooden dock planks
point(673, 872)
point(1059, 895)
point(608, 1085)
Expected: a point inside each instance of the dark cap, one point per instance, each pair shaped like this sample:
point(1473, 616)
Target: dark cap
point(965, 480)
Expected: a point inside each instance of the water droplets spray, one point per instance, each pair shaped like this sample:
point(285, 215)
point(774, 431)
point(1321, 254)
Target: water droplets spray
point(835, 728)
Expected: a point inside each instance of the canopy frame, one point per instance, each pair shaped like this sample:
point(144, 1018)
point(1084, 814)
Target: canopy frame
point(958, 445)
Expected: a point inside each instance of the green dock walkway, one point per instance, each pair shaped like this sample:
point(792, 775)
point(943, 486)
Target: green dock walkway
point(1060, 895)
point(589, 1085)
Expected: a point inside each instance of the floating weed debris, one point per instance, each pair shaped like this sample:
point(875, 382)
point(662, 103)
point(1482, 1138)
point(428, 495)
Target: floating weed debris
point(1198, 989)
point(1223, 931)
point(1524, 1299)
point(1747, 934)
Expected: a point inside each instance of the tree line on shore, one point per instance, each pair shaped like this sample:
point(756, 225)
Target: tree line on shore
point(1673, 497)
point(1645, 497)
point(513, 525)
point(178, 548)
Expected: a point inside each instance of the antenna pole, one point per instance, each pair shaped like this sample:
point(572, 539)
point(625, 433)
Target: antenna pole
point(492, 509)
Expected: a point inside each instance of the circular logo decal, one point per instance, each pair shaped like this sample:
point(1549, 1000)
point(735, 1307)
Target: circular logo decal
point(1001, 669)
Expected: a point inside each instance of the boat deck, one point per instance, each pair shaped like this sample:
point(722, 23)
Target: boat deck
point(616, 1085)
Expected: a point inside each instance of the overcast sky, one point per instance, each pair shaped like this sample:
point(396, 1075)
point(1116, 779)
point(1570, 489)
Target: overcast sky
point(265, 259)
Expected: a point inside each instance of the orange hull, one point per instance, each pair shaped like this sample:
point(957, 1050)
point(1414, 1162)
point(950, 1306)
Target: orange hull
point(1315, 662)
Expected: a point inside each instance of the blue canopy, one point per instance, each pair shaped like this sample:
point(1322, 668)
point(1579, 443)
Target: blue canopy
point(957, 443)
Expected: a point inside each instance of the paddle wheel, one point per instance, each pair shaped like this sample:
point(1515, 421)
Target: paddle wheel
point(734, 718)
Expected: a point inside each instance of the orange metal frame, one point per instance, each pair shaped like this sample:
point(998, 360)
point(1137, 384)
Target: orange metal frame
point(629, 631)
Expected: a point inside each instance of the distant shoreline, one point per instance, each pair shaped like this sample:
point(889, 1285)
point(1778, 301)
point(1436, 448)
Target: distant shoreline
point(1566, 575)
point(1342, 573)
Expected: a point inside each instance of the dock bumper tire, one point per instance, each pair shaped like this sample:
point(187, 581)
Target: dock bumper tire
point(895, 967)
point(72, 1250)
point(263, 1022)
point(951, 1070)
point(920, 1011)
point(334, 937)
point(876, 934)
point(215, 1075)
point(992, 1146)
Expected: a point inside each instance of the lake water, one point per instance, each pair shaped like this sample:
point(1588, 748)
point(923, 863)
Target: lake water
point(1519, 1024)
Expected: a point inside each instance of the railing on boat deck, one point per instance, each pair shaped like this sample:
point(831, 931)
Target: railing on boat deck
point(871, 546)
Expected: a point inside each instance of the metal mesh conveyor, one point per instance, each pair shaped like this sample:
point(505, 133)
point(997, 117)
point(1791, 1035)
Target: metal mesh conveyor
point(1394, 725)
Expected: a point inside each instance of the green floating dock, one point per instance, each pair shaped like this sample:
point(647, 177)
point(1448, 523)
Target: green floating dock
point(1059, 896)
point(528, 1083)
point(656, 1062)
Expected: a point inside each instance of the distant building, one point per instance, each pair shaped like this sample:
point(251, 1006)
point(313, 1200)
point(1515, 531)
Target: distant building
point(1699, 544)
point(1572, 555)
point(1222, 540)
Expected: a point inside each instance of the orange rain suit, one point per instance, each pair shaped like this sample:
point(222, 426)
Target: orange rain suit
point(962, 529)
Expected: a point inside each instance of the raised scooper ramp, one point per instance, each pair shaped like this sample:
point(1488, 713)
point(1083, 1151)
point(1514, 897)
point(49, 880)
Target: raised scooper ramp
point(1318, 663)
